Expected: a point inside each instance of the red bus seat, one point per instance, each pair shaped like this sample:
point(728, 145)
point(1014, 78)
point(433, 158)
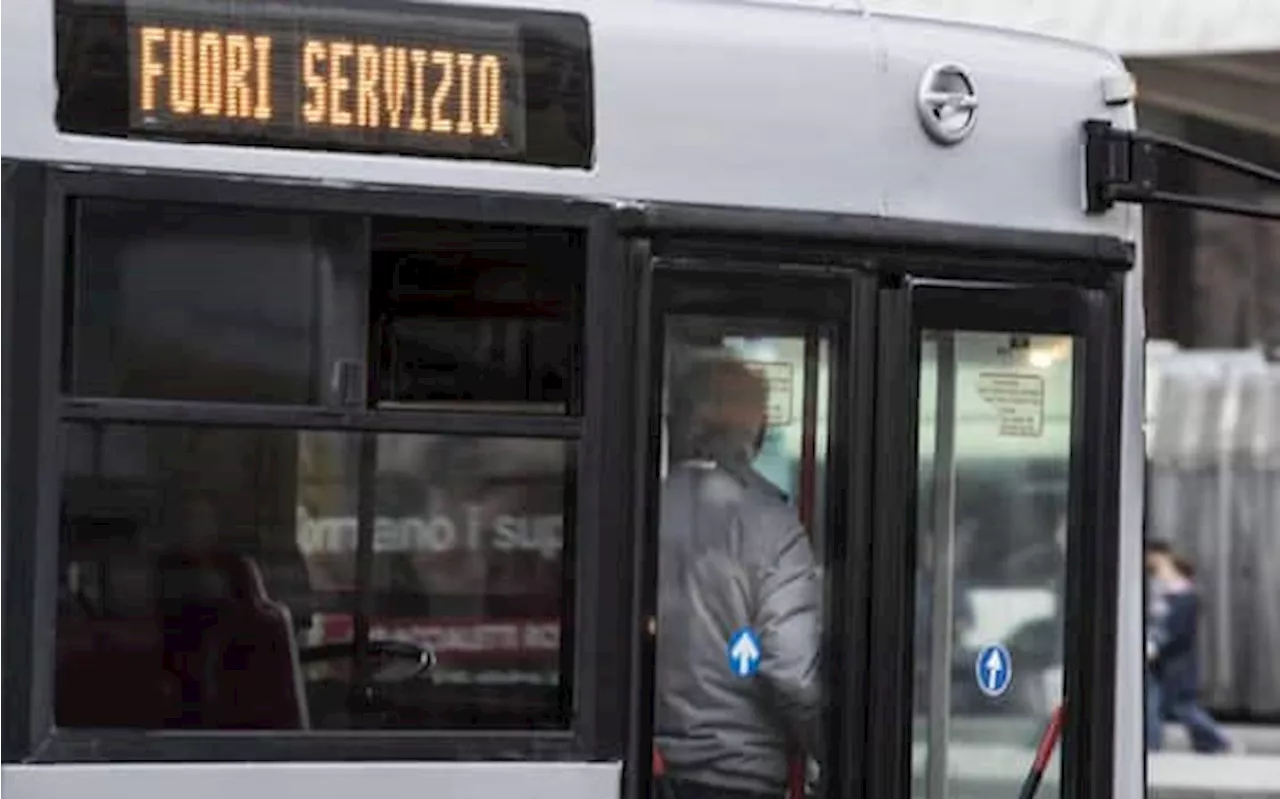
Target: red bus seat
point(214, 652)
point(231, 646)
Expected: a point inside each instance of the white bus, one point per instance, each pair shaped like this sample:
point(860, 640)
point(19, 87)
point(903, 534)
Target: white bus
point(340, 340)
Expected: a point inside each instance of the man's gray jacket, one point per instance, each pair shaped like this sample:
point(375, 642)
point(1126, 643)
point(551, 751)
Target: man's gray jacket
point(733, 554)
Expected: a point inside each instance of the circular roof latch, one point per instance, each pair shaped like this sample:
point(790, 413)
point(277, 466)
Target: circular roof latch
point(947, 103)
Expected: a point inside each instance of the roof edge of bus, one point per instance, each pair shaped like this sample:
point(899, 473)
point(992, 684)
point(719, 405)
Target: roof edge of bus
point(987, 27)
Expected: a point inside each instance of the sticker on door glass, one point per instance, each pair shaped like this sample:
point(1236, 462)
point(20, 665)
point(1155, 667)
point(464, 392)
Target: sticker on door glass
point(994, 670)
point(744, 652)
point(781, 379)
point(1018, 400)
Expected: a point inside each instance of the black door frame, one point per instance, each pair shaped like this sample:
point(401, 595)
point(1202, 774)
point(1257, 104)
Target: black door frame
point(844, 300)
point(905, 270)
point(1092, 314)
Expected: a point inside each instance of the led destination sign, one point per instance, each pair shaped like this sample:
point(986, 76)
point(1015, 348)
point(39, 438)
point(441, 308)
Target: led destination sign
point(405, 78)
point(401, 96)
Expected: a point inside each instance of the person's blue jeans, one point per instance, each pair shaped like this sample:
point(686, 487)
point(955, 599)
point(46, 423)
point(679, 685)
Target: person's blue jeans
point(1154, 713)
point(1206, 736)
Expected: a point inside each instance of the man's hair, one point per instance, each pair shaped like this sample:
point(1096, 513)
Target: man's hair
point(717, 407)
point(1157, 546)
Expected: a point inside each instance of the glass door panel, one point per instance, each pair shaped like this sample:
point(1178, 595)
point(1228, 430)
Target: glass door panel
point(994, 439)
point(744, 523)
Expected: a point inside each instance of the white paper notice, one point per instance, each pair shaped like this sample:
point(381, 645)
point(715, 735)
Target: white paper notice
point(781, 380)
point(1018, 400)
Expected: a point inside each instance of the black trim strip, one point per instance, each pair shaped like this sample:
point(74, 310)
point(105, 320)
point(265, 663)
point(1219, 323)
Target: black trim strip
point(761, 294)
point(778, 229)
point(797, 256)
point(26, 409)
point(297, 195)
point(647, 366)
point(116, 746)
point(893, 549)
point(211, 414)
point(852, 409)
point(721, 258)
point(671, 219)
point(48, 464)
point(603, 569)
point(998, 308)
point(1092, 603)
point(13, 246)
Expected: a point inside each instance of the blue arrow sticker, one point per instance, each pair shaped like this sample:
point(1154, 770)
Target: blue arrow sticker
point(744, 652)
point(994, 670)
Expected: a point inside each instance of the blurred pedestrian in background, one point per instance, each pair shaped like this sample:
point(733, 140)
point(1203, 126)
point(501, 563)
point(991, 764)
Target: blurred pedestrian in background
point(1172, 675)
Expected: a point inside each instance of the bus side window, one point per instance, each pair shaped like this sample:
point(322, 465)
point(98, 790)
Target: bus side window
point(234, 540)
point(183, 302)
point(466, 319)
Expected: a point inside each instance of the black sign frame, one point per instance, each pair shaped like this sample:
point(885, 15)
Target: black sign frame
point(548, 116)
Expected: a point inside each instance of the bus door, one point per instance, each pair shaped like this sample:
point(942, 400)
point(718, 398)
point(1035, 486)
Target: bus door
point(878, 513)
point(747, 486)
point(1006, 505)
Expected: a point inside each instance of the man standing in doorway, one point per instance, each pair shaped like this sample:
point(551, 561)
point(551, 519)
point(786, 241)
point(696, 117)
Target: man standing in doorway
point(738, 601)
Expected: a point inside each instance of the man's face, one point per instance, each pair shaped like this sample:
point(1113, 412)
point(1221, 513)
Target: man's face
point(744, 404)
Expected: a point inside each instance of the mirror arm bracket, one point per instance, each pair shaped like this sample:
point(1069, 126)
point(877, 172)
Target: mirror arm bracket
point(1121, 167)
